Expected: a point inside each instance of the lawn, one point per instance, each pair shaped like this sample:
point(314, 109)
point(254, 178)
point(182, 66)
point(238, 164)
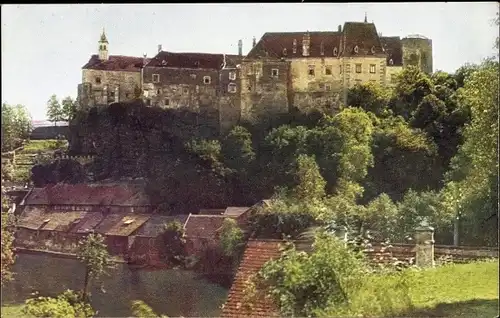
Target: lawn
point(35, 146)
point(461, 290)
point(12, 311)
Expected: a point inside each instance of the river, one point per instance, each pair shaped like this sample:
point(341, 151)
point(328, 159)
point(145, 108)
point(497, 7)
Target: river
point(170, 292)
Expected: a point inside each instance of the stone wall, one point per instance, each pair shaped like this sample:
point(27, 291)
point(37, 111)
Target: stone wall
point(264, 88)
point(418, 52)
point(104, 87)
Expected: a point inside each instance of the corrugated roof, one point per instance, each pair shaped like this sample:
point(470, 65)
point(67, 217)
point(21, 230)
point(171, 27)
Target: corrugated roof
point(116, 63)
point(156, 224)
point(256, 254)
point(203, 226)
point(121, 224)
point(87, 194)
point(234, 211)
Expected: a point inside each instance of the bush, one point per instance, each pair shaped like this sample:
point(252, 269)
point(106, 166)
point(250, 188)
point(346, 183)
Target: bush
point(173, 237)
point(231, 238)
point(68, 304)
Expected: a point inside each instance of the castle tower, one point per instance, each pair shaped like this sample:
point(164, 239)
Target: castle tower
point(103, 47)
point(417, 51)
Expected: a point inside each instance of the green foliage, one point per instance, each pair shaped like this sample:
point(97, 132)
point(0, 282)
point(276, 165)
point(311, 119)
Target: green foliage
point(93, 254)
point(36, 146)
point(301, 283)
point(380, 218)
point(173, 238)
point(411, 87)
point(237, 149)
point(8, 256)
point(310, 183)
point(68, 109)
point(231, 238)
point(370, 97)
point(473, 194)
point(54, 109)
point(141, 310)
point(68, 304)
point(16, 126)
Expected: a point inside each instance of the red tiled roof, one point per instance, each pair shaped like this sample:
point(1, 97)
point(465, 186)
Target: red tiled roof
point(257, 253)
point(234, 211)
point(274, 43)
point(393, 48)
point(116, 63)
point(187, 60)
point(85, 194)
point(203, 226)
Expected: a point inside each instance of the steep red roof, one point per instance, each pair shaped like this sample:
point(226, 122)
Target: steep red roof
point(187, 60)
point(257, 253)
point(393, 48)
point(87, 194)
point(203, 226)
point(116, 63)
point(274, 44)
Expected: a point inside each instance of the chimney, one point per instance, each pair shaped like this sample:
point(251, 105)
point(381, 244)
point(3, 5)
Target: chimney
point(240, 47)
point(340, 28)
point(306, 41)
point(254, 42)
point(159, 48)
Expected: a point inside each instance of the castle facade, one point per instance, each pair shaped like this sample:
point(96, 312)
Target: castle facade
point(283, 71)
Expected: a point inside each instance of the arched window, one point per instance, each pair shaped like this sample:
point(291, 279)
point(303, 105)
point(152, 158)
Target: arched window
point(356, 49)
point(284, 51)
point(373, 50)
point(335, 52)
point(391, 62)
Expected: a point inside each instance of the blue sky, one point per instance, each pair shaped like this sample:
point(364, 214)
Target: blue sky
point(45, 46)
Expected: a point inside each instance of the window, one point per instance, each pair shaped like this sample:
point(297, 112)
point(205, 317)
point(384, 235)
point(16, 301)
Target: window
point(373, 50)
point(311, 70)
point(340, 67)
point(111, 96)
point(185, 91)
point(356, 49)
point(128, 95)
point(274, 72)
point(294, 46)
point(391, 62)
point(166, 102)
point(98, 80)
point(328, 70)
point(322, 48)
point(372, 68)
point(231, 88)
point(148, 102)
point(156, 78)
point(393, 78)
point(193, 76)
point(284, 51)
point(358, 68)
point(207, 79)
point(158, 91)
point(348, 68)
point(335, 52)
point(328, 87)
point(232, 76)
point(321, 86)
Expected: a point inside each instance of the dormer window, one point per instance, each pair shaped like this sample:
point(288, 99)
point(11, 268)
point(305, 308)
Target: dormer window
point(98, 80)
point(311, 70)
point(197, 64)
point(294, 46)
point(207, 79)
point(335, 52)
point(373, 50)
point(163, 62)
point(274, 72)
point(356, 49)
point(156, 78)
point(231, 88)
point(284, 51)
point(391, 62)
point(322, 48)
point(232, 76)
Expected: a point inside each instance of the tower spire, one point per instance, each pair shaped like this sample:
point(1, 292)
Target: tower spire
point(366, 18)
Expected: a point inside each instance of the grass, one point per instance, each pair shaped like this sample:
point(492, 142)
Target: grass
point(12, 311)
point(35, 146)
point(456, 290)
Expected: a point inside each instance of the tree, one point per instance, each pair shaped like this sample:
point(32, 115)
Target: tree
point(310, 184)
point(231, 237)
point(54, 110)
point(16, 126)
point(8, 257)
point(68, 109)
point(141, 310)
point(237, 149)
point(68, 304)
point(474, 194)
point(92, 252)
point(370, 97)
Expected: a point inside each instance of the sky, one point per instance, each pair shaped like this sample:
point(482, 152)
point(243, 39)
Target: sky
point(45, 46)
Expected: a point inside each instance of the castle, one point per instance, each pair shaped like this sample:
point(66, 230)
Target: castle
point(283, 71)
